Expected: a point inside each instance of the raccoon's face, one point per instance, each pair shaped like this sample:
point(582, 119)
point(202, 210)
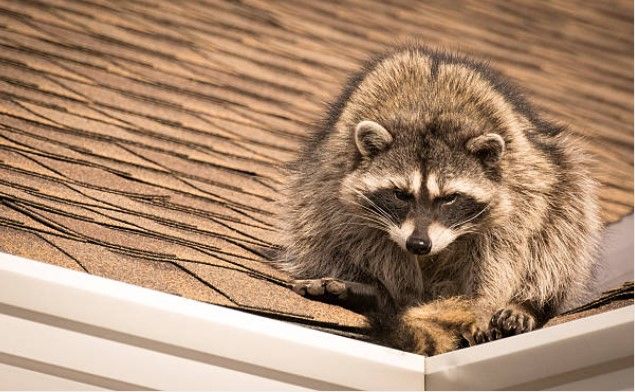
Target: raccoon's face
point(424, 190)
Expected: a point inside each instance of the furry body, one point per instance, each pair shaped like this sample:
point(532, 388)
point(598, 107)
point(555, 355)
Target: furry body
point(435, 188)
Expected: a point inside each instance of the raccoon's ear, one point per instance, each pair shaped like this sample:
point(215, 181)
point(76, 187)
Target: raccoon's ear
point(489, 148)
point(371, 138)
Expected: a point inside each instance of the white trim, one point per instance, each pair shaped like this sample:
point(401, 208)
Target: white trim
point(97, 325)
point(75, 329)
point(19, 379)
point(573, 353)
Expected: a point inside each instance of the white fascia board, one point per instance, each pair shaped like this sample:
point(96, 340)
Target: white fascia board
point(21, 379)
point(86, 330)
point(106, 324)
point(592, 353)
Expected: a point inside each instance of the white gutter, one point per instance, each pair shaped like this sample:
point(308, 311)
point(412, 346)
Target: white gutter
point(593, 353)
point(63, 329)
point(97, 332)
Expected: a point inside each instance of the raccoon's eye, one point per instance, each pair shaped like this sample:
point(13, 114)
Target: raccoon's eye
point(448, 199)
point(402, 195)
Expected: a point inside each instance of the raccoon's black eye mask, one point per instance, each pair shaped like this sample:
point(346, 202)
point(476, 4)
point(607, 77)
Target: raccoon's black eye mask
point(447, 199)
point(386, 202)
point(402, 195)
point(464, 209)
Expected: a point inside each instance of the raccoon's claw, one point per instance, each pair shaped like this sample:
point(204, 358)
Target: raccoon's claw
point(469, 334)
point(319, 287)
point(513, 321)
point(474, 335)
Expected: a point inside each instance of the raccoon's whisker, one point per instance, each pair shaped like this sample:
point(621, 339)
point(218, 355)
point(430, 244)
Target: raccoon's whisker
point(370, 224)
point(379, 223)
point(454, 226)
point(377, 209)
point(371, 213)
point(377, 218)
point(369, 218)
point(366, 215)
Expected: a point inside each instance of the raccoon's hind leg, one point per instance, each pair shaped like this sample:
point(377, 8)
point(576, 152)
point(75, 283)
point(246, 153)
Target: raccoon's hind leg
point(434, 328)
point(352, 295)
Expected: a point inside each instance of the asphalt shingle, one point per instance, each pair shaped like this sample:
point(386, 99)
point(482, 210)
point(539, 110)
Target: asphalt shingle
point(142, 141)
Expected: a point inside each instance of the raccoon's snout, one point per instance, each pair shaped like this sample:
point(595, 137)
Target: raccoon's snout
point(418, 245)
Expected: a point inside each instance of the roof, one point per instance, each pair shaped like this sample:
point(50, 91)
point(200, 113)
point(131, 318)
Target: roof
point(609, 300)
point(142, 142)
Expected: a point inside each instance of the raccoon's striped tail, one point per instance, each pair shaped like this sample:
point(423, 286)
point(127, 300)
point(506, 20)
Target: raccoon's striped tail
point(429, 329)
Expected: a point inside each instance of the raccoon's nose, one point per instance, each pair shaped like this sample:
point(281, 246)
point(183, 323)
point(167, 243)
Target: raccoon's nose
point(418, 245)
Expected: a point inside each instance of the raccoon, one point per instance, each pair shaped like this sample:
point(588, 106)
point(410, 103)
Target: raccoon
point(433, 198)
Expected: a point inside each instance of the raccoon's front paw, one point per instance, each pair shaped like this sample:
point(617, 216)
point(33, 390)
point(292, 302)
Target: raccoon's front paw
point(513, 320)
point(320, 287)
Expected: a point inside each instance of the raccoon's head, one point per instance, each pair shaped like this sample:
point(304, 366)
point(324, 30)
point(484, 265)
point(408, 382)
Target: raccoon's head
point(425, 187)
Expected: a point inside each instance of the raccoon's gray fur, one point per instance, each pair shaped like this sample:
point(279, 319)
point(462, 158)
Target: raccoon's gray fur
point(433, 189)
